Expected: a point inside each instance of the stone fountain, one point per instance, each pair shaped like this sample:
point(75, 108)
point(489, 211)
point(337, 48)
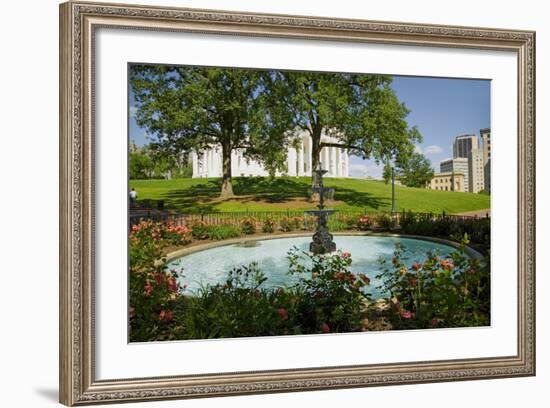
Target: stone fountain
point(322, 239)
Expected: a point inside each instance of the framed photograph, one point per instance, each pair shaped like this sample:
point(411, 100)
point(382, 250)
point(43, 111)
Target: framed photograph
point(255, 203)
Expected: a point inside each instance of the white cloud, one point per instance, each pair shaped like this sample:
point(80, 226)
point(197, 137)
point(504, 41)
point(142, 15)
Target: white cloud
point(133, 111)
point(433, 149)
point(365, 169)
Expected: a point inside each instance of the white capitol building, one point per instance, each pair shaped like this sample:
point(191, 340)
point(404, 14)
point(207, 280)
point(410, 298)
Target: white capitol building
point(209, 162)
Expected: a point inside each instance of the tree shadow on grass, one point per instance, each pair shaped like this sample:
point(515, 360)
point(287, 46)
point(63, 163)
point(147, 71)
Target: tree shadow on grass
point(204, 197)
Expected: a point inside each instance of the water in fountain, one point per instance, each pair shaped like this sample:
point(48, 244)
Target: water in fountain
point(322, 239)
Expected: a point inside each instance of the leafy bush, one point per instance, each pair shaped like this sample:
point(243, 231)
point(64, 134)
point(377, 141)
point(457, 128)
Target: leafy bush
point(346, 222)
point(286, 224)
point(384, 221)
point(478, 229)
point(223, 231)
point(441, 292)
point(269, 225)
point(200, 230)
point(328, 295)
point(153, 289)
point(236, 308)
point(364, 223)
point(248, 225)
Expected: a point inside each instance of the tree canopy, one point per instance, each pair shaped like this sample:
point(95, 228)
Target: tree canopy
point(191, 109)
point(261, 112)
point(416, 171)
point(361, 111)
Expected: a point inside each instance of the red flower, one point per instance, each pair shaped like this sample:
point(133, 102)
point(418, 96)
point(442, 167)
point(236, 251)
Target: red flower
point(413, 281)
point(165, 316)
point(148, 289)
point(325, 328)
point(283, 314)
point(172, 284)
point(434, 322)
point(416, 266)
point(405, 314)
point(159, 278)
point(395, 261)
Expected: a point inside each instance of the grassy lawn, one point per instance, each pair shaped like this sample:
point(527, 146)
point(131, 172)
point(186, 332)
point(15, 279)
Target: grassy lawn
point(280, 194)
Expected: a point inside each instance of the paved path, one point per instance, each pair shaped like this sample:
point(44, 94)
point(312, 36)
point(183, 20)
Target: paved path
point(477, 213)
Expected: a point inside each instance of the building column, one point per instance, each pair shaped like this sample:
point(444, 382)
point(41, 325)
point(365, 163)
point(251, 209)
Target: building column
point(338, 162)
point(301, 160)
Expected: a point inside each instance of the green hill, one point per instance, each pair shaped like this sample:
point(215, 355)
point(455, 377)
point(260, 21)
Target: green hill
point(282, 193)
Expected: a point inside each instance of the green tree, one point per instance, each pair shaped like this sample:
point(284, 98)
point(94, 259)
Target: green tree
point(386, 174)
point(140, 165)
point(415, 171)
point(360, 111)
point(191, 109)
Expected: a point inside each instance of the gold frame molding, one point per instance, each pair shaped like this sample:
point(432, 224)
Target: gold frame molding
point(78, 22)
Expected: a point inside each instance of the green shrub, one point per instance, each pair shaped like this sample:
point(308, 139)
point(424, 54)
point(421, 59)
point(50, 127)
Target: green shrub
point(268, 225)
point(364, 223)
point(441, 292)
point(200, 230)
point(329, 297)
point(286, 224)
point(152, 290)
point(384, 221)
point(223, 231)
point(236, 308)
point(248, 225)
point(346, 222)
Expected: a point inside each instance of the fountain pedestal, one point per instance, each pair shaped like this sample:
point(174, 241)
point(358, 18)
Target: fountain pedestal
point(322, 239)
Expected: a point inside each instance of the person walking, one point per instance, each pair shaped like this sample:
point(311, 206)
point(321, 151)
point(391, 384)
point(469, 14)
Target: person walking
point(133, 197)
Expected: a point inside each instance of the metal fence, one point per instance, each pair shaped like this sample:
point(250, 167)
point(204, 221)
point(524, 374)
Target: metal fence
point(341, 219)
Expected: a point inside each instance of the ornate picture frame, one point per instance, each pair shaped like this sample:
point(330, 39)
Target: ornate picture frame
point(78, 24)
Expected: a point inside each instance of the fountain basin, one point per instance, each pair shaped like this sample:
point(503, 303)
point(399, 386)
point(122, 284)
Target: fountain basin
point(209, 265)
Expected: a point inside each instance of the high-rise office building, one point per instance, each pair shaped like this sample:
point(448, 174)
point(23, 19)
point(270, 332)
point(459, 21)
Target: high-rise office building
point(486, 138)
point(458, 165)
point(463, 145)
point(467, 147)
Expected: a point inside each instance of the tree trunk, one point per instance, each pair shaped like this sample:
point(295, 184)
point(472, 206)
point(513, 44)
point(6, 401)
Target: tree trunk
point(227, 187)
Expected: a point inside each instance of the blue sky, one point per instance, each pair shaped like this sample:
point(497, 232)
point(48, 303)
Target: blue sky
point(441, 108)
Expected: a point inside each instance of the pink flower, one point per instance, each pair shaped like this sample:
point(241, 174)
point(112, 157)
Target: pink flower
point(405, 314)
point(346, 255)
point(165, 316)
point(325, 328)
point(172, 284)
point(132, 312)
point(135, 228)
point(148, 289)
point(283, 314)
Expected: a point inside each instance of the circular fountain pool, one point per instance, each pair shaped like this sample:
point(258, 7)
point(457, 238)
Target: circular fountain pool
point(210, 266)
